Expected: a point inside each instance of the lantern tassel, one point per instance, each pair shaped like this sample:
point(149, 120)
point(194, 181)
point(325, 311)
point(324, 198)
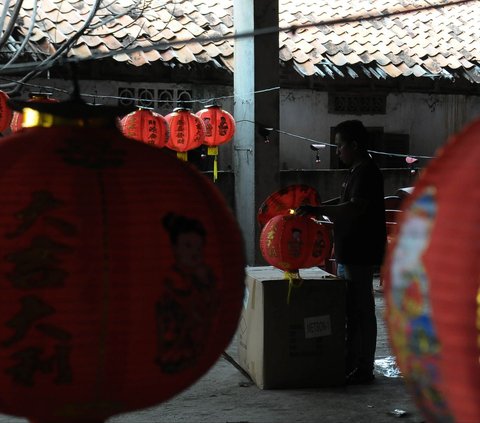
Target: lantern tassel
point(213, 151)
point(182, 155)
point(294, 281)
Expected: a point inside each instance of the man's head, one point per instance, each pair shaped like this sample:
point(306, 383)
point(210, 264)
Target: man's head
point(351, 139)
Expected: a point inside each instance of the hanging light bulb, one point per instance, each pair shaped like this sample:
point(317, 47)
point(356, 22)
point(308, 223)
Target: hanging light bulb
point(265, 132)
point(316, 147)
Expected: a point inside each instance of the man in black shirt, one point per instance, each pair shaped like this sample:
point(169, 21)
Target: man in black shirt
point(359, 242)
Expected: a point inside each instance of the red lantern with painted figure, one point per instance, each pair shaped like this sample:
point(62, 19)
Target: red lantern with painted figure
point(16, 122)
point(432, 285)
point(187, 131)
point(219, 129)
point(122, 270)
point(292, 242)
point(146, 126)
point(6, 112)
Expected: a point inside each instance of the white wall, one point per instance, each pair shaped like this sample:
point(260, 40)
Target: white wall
point(429, 120)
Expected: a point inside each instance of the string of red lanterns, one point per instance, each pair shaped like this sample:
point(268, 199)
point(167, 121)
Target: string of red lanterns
point(180, 130)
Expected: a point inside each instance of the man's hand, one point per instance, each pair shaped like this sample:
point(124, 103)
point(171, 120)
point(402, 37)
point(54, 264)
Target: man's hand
point(307, 210)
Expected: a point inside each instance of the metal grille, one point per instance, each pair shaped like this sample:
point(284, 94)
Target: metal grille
point(163, 100)
point(357, 104)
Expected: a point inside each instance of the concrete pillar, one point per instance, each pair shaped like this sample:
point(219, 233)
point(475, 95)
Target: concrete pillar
point(256, 162)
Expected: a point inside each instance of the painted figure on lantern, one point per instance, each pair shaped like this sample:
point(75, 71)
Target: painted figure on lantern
point(319, 245)
point(222, 127)
point(208, 127)
point(413, 329)
point(295, 243)
point(185, 311)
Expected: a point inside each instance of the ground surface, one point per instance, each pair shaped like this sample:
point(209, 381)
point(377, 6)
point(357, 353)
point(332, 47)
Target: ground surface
point(225, 395)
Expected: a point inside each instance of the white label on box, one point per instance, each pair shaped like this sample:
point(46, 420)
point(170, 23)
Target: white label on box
point(317, 326)
point(245, 298)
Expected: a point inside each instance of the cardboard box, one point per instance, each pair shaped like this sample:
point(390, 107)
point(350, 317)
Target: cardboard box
point(295, 345)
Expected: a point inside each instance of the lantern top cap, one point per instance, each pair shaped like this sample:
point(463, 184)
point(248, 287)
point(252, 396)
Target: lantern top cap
point(39, 95)
point(182, 109)
point(71, 109)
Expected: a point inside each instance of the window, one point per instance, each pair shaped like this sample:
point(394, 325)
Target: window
point(163, 100)
point(357, 104)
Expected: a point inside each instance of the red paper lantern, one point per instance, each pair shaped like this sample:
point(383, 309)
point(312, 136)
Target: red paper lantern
point(122, 272)
point(283, 201)
point(146, 126)
point(292, 242)
point(432, 284)
point(17, 118)
point(219, 129)
point(6, 112)
point(187, 131)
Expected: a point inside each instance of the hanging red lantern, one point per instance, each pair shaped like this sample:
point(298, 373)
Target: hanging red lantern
point(16, 122)
point(187, 131)
point(432, 285)
point(219, 129)
point(6, 112)
point(283, 201)
point(146, 126)
point(292, 242)
point(122, 270)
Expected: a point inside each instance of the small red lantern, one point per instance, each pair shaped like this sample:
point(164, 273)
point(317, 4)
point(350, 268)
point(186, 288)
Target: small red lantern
point(432, 285)
point(187, 131)
point(121, 274)
point(285, 200)
point(6, 112)
point(219, 129)
point(292, 242)
point(17, 118)
point(146, 126)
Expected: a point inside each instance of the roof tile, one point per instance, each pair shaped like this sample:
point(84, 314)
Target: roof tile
point(424, 42)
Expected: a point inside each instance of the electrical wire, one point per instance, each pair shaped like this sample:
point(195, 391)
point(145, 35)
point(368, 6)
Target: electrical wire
point(314, 141)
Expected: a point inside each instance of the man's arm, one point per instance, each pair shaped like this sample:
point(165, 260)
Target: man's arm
point(332, 201)
point(336, 212)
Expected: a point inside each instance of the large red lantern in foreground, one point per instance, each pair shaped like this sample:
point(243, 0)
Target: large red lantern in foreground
point(292, 242)
point(187, 131)
point(146, 126)
point(432, 284)
point(16, 122)
point(122, 271)
point(283, 201)
point(5, 112)
point(219, 129)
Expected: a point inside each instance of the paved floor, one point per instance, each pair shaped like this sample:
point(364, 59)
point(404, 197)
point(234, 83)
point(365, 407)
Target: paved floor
point(225, 395)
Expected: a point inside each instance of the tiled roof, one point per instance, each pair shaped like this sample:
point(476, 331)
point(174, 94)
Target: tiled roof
point(434, 42)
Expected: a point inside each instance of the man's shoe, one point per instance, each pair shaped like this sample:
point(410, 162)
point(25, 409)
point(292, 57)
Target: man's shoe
point(359, 377)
